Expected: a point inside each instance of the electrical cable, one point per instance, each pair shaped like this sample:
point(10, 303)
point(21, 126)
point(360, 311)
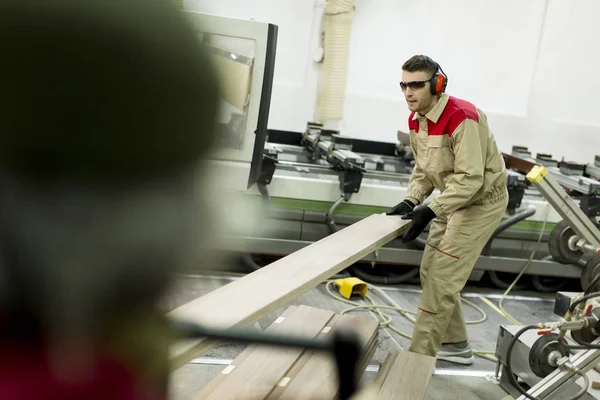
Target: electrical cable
point(510, 288)
point(592, 284)
point(386, 320)
point(584, 387)
point(581, 346)
point(583, 300)
point(511, 376)
point(329, 215)
point(507, 223)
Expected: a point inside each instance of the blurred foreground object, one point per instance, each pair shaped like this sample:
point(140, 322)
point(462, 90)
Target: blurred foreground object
point(106, 110)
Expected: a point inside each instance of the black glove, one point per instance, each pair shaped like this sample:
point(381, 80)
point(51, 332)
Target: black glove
point(402, 208)
point(420, 217)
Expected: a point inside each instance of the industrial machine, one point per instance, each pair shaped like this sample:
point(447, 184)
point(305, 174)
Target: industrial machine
point(320, 181)
point(546, 360)
point(289, 189)
point(243, 51)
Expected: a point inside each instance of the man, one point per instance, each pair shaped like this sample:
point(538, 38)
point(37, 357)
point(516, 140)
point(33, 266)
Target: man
point(456, 153)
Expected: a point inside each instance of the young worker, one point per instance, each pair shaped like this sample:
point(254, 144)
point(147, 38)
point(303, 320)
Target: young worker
point(455, 152)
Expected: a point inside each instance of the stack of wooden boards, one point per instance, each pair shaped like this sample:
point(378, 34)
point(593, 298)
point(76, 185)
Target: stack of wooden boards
point(264, 372)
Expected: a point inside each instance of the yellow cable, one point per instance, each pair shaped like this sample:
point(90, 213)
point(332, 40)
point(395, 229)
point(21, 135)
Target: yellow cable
point(386, 320)
point(507, 315)
point(501, 312)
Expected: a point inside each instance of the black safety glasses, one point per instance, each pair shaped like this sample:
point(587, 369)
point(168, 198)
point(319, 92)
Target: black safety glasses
point(413, 85)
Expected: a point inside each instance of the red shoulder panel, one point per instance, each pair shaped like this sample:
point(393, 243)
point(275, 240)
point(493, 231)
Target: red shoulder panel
point(413, 124)
point(455, 112)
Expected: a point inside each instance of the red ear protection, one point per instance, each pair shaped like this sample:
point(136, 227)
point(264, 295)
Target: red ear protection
point(439, 81)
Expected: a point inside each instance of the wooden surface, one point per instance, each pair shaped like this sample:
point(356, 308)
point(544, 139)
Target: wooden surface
point(278, 392)
point(317, 377)
point(240, 358)
point(262, 370)
point(274, 373)
point(404, 375)
point(259, 293)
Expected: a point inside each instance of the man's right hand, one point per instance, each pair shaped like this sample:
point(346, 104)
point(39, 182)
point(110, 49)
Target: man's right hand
point(402, 208)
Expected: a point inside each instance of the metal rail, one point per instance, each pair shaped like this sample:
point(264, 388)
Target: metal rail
point(564, 205)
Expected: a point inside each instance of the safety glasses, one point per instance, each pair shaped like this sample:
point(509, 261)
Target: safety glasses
point(413, 85)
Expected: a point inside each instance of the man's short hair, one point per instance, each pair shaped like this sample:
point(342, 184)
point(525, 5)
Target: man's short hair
point(420, 63)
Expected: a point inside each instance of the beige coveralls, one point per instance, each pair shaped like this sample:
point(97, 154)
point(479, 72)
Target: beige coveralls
point(456, 153)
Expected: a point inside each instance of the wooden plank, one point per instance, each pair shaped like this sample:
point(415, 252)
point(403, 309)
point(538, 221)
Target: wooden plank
point(299, 365)
point(261, 292)
point(407, 377)
point(317, 379)
point(264, 368)
point(384, 370)
point(241, 357)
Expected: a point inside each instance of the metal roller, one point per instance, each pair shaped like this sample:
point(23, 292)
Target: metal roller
point(544, 354)
point(591, 271)
point(561, 246)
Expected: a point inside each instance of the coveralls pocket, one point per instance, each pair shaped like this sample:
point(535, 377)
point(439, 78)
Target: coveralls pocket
point(439, 154)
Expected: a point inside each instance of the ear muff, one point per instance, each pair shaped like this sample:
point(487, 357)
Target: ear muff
point(438, 82)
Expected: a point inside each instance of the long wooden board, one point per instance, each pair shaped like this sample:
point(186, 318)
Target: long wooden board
point(261, 371)
point(404, 375)
point(274, 373)
point(317, 379)
point(257, 294)
point(219, 379)
point(301, 363)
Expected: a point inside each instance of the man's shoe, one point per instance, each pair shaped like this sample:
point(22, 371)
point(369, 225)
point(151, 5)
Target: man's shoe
point(459, 353)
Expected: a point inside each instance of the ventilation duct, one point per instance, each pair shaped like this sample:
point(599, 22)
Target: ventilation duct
point(336, 45)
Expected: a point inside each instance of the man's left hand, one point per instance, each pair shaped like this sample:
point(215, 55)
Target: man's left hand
point(420, 217)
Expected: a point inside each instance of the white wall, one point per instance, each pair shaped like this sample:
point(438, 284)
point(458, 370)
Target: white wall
point(529, 64)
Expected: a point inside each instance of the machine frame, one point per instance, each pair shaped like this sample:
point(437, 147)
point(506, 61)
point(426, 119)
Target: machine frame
point(248, 159)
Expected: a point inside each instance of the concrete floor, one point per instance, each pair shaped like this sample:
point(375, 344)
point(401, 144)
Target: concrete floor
point(451, 381)
point(189, 380)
